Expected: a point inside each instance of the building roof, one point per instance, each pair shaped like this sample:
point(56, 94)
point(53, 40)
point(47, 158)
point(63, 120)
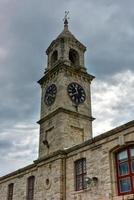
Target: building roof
point(65, 34)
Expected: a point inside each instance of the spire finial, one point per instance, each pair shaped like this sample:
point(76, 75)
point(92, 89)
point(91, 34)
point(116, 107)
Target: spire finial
point(66, 19)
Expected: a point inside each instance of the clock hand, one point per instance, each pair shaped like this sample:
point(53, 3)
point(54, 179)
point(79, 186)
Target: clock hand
point(73, 93)
point(76, 89)
point(51, 95)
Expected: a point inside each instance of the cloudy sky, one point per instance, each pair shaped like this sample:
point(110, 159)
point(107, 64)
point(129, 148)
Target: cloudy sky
point(27, 27)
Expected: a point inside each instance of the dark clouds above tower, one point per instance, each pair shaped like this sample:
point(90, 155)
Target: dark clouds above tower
point(106, 27)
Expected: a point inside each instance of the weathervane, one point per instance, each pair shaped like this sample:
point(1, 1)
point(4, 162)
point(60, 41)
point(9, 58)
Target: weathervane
point(66, 18)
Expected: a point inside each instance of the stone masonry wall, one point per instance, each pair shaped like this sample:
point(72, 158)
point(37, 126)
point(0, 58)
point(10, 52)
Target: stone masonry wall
point(42, 191)
point(59, 129)
point(101, 164)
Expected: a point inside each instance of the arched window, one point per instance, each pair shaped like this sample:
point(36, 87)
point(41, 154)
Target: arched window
point(30, 188)
point(10, 191)
point(54, 57)
point(74, 57)
point(125, 170)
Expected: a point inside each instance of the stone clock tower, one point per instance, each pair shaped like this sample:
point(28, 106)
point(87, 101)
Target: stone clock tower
point(66, 118)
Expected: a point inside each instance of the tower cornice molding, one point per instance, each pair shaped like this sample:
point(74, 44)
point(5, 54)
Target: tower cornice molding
point(62, 67)
point(63, 110)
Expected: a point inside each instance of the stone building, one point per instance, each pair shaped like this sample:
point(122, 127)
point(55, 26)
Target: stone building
point(73, 165)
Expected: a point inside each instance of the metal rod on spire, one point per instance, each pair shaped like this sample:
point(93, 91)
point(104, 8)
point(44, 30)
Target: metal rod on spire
point(66, 18)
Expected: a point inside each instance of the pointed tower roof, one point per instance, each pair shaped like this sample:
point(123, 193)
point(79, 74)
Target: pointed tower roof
point(65, 34)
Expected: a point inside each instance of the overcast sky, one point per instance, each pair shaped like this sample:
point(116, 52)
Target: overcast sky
point(27, 27)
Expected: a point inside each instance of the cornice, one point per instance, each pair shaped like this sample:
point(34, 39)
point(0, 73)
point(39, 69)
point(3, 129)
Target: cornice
point(63, 110)
point(53, 156)
point(102, 136)
point(32, 167)
point(18, 172)
point(62, 67)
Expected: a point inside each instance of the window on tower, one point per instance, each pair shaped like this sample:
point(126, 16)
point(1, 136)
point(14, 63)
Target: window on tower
point(74, 58)
point(54, 57)
point(80, 174)
point(125, 170)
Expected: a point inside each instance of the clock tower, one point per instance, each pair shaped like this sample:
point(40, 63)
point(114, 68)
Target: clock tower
point(66, 118)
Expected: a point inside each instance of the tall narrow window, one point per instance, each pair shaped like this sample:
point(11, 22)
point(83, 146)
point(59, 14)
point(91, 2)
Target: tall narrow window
point(54, 57)
point(80, 174)
point(30, 188)
point(125, 170)
point(74, 58)
point(10, 191)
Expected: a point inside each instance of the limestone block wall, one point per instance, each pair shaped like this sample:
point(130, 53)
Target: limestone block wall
point(100, 162)
point(63, 131)
point(62, 79)
point(64, 125)
point(42, 190)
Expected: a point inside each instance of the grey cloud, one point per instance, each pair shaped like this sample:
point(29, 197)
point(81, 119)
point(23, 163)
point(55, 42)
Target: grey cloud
point(4, 144)
point(113, 101)
point(18, 145)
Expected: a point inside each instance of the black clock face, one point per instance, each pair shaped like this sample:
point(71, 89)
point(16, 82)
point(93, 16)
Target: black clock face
point(50, 95)
point(76, 93)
